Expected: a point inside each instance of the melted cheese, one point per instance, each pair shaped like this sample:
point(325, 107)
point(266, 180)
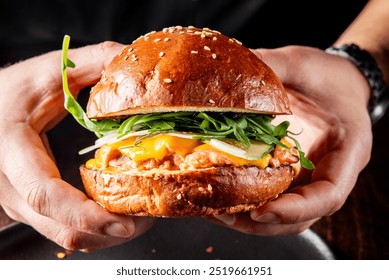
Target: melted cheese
point(158, 147)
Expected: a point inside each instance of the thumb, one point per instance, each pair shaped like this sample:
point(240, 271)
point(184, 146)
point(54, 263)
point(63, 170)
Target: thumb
point(286, 62)
point(90, 62)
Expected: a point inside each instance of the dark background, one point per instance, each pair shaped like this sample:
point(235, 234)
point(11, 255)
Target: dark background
point(28, 28)
point(32, 27)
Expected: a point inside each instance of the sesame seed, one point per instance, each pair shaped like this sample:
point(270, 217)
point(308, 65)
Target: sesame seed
point(194, 52)
point(207, 48)
point(207, 29)
point(161, 54)
point(179, 196)
point(146, 38)
point(119, 54)
point(208, 34)
point(202, 35)
point(133, 55)
point(217, 32)
point(230, 40)
point(166, 40)
point(191, 27)
point(214, 38)
point(179, 27)
point(157, 40)
point(171, 30)
point(209, 187)
point(214, 55)
point(198, 32)
point(165, 30)
point(189, 31)
point(126, 57)
point(182, 32)
point(152, 32)
point(263, 82)
point(211, 101)
point(238, 42)
point(102, 72)
point(130, 50)
point(167, 80)
point(134, 59)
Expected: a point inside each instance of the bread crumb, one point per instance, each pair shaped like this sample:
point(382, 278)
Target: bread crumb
point(62, 255)
point(209, 250)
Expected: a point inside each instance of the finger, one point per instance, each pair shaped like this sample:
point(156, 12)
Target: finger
point(280, 61)
point(40, 82)
point(63, 235)
point(332, 181)
point(296, 65)
point(44, 71)
point(242, 222)
point(34, 175)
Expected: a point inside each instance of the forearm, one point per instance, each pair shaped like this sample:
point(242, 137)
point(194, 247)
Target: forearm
point(370, 31)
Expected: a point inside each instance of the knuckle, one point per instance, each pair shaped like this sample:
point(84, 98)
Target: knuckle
point(69, 239)
point(338, 199)
point(108, 48)
point(37, 197)
point(106, 45)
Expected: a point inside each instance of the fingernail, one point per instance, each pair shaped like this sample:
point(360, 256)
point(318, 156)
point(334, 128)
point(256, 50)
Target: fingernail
point(117, 229)
point(226, 218)
point(267, 218)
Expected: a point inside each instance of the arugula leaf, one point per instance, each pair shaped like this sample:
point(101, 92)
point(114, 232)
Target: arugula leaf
point(305, 163)
point(100, 128)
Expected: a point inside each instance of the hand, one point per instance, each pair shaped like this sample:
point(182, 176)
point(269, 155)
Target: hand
point(328, 97)
point(31, 189)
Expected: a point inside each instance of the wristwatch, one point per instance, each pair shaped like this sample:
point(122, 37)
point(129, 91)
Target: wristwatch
point(379, 97)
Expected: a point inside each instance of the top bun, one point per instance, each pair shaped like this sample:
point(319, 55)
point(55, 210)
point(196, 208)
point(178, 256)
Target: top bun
point(186, 69)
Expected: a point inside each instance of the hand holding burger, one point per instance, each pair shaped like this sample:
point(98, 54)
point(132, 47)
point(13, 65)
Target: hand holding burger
point(31, 188)
point(184, 118)
point(329, 97)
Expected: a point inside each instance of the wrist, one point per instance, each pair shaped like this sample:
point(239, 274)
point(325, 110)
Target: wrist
point(379, 94)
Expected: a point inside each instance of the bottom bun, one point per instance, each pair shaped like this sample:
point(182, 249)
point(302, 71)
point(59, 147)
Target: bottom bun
point(201, 192)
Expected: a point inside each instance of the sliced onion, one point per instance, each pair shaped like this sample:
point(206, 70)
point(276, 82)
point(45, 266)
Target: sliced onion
point(228, 148)
point(254, 152)
point(110, 139)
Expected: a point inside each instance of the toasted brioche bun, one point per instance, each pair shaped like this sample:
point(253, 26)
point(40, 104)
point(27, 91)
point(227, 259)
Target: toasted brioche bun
point(186, 69)
point(209, 191)
point(196, 70)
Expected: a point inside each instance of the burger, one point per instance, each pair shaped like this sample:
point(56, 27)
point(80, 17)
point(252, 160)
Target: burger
point(183, 117)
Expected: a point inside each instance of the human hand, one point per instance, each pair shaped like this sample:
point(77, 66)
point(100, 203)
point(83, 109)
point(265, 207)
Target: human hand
point(31, 188)
point(328, 97)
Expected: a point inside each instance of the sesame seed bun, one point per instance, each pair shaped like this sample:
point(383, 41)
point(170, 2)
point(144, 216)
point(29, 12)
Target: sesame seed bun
point(186, 69)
